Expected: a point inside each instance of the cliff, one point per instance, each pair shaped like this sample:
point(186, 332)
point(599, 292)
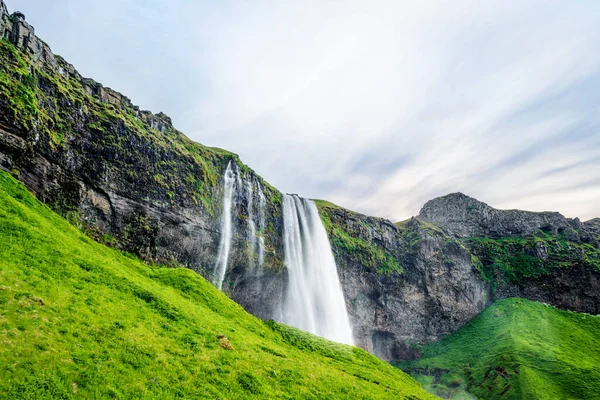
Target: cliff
point(126, 176)
point(405, 284)
point(131, 180)
point(541, 256)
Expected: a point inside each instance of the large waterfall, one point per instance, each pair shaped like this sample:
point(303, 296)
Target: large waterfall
point(225, 242)
point(314, 300)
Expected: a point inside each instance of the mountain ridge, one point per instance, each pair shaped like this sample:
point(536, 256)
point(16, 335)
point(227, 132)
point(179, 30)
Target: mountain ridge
point(466, 216)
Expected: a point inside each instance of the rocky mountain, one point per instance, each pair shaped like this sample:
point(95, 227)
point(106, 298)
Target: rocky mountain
point(405, 284)
point(131, 180)
point(464, 216)
point(541, 256)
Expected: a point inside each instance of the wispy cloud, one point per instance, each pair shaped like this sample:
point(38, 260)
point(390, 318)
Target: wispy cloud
point(378, 106)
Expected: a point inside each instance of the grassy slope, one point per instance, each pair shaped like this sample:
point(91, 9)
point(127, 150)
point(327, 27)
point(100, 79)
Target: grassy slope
point(81, 320)
point(517, 349)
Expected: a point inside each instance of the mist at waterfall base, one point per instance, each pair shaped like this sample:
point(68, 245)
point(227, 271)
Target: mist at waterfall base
point(314, 300)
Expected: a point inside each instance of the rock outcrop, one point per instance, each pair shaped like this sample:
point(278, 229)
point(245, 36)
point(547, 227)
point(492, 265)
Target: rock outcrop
point(125, 175)
point(541, 256)
point(462, 216)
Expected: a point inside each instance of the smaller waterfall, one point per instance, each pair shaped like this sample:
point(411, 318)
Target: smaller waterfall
point(314, 300)
point(251, 225)
point(229, 180)
point(262, 204)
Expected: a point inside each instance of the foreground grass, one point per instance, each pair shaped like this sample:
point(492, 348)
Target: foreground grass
point(79, 320)
point(516, 349)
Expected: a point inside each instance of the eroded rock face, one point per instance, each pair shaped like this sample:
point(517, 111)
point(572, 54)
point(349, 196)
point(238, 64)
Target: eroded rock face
point(438, 291)
point(541, 256)
point(452, 270)
point(128, 176)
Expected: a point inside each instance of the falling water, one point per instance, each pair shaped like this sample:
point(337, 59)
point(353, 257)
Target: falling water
point(262, 204)
point(314, 300)
point(251, 225)
point(225, 241)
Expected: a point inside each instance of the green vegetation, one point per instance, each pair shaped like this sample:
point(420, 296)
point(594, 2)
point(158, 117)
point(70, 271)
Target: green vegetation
point(80, 320)
point(328, 204)
point(17, 86)
point(514, 259)
point(411, 239)
point(346, 244)
point(516, 349)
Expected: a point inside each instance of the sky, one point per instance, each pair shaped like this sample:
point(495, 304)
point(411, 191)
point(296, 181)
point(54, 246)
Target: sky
point(377, 106)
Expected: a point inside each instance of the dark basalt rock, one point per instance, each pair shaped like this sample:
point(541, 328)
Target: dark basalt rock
point(568, 278)
point(127, 176)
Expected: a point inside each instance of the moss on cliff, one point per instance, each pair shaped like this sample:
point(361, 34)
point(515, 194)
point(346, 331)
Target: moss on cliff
point(17, 85)
point(348, 244)
point(95, 136)
point(52, 104)
point(513, 259)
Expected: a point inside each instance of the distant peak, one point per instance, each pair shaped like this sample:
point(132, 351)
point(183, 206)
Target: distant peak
point(451, 201)
point(463, 215)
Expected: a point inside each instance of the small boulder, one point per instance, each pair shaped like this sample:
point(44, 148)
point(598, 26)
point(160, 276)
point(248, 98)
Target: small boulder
point(224, 342)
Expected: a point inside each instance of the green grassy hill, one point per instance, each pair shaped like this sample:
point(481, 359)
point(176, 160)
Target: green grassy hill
point(516, 349)
point(80, 320)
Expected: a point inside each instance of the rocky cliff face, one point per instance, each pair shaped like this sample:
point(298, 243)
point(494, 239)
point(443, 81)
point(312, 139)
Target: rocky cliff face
point(131, 180)
point(453, 259)
point(125, 175)
point(431, 290)
point(541, 256)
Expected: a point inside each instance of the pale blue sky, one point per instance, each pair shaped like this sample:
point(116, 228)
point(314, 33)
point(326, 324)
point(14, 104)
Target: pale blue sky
point(377, 106)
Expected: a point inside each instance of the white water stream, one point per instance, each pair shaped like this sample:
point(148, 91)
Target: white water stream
point(251, 225)
point(314, 300)
point(229, 180)
point(262, 204)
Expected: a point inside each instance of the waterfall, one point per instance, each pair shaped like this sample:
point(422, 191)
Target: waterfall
point(229, 179)
point(251, 225)
point(314, 300)
point(262, 204)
